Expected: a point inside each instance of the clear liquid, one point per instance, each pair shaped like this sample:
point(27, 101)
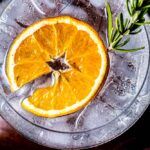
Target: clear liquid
point(127, 71)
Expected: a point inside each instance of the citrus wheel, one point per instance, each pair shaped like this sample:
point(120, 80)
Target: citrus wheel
point(66, 47)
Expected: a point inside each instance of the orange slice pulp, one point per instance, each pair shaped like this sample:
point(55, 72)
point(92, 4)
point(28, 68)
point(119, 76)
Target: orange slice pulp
point(46, 41)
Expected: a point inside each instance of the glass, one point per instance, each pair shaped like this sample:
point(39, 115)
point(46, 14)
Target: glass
point(117, 106)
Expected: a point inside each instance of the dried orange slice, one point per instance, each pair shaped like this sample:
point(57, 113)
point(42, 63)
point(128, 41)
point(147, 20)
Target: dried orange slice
point(72, 51)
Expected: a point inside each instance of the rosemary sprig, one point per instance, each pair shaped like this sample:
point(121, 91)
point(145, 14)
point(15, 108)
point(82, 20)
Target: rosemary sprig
point(118, 34)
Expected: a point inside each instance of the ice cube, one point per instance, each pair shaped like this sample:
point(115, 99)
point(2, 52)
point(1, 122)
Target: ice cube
point(98, 3)
point(75, 11)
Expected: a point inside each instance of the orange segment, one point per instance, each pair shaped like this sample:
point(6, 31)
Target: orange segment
point(87, 64)
point(46, 37)
point(79, 82)
point(81, 45)
point(26, 53)
point(25, 73)
point(43, 98)
point(78, 74)
point(65, 35)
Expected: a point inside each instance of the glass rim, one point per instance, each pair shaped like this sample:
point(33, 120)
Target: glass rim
point(96, 128)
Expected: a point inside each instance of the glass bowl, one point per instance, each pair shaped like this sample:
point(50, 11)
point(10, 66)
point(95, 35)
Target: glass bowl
point(118, 105)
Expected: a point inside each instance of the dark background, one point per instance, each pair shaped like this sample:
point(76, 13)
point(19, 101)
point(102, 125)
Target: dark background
point(136, 138)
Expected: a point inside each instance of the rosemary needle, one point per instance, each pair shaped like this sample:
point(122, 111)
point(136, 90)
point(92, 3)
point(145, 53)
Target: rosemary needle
point(118, 34)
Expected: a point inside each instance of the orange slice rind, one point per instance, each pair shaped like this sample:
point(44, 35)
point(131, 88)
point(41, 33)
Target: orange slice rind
point(46, 41)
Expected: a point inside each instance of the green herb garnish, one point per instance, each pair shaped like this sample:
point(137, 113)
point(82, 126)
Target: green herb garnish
point(118, 34)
